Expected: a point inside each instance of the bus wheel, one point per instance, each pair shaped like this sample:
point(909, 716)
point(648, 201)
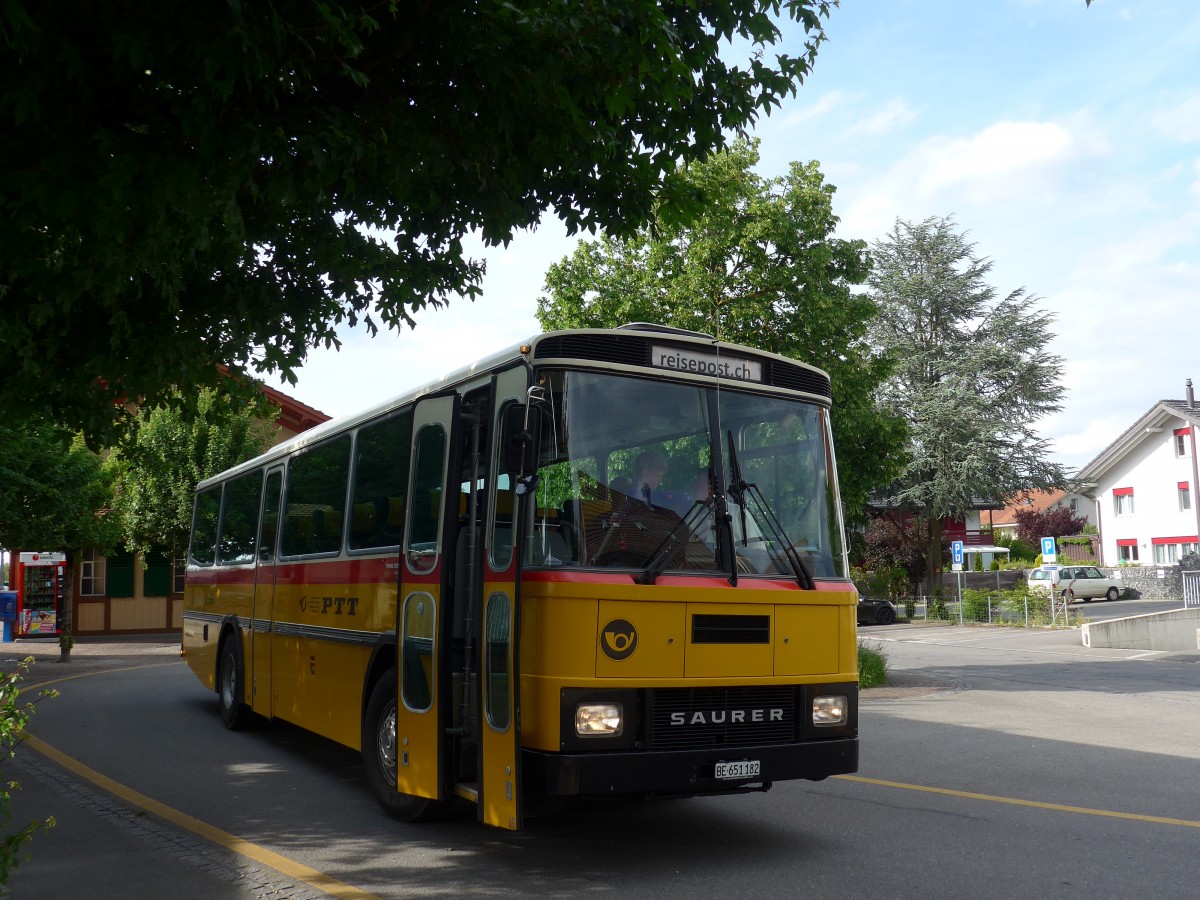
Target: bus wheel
point(230, 687)
point(379, 754)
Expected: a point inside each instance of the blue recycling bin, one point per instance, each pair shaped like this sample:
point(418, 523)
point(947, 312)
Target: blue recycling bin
point(8, 613)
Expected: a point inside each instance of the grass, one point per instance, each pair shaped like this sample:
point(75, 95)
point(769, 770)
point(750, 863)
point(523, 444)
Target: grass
point(872, 666)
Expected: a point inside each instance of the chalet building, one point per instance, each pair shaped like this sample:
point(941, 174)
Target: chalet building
point(1144, 484)
point(117, 595)
point(1003, 522)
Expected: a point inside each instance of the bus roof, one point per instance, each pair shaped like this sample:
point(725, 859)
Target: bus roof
point(574, 346)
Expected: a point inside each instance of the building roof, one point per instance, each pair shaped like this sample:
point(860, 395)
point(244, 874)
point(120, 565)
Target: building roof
point(1037, 501)
point(1161, 413)
point(293, 415)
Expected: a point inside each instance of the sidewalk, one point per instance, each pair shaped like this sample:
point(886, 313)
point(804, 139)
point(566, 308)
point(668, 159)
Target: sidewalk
point(102, 848)
point(89, 653)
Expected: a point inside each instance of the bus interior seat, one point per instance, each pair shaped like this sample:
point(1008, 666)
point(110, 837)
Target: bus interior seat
point(327, 525)
point(299, 534)
point(363, 521)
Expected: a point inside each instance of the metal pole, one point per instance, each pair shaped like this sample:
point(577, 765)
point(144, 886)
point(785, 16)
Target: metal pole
point(960, 609)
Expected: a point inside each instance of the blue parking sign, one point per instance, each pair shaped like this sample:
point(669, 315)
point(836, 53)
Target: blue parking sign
point(1049, 551)
point(956, 551)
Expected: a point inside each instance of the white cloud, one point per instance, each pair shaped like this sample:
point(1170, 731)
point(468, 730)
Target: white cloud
point(824, 105)
point(1180, 122)
point(892, 115)
point(985, 167)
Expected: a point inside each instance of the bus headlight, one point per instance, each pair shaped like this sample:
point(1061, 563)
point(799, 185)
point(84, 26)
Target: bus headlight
point(829, 711)
point(598, 719)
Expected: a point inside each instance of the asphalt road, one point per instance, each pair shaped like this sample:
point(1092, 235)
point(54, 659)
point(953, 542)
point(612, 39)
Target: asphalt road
point(1001, 764)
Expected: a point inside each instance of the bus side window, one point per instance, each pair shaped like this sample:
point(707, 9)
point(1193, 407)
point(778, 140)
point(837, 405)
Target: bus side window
point(204, 526)
point(316, 499)
point(425, 512)
point(239, 520)
point(381, 455)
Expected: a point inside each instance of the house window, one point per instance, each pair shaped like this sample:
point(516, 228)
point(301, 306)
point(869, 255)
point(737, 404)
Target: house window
point(1170, 550)
point(1123, 501)
point(91, 574)
point(1185, 496)
point(1181, 442)
point(1127, 550)
point(1165, 554)
point(179, 571)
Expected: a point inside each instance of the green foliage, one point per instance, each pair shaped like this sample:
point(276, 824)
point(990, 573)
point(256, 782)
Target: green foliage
point(897, 542)
point(758, 265)
point(51, 491)
point(187, 185)
point(972, 376)
point(888, 582)
point(975, 604)
point(872, 665)
point(155, 473)
point(14, 716)
point(1019, 551)
point(978, 564)
point(936, 608)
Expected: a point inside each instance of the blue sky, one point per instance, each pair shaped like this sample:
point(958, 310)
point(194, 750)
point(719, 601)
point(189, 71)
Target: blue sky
point(1065, 140)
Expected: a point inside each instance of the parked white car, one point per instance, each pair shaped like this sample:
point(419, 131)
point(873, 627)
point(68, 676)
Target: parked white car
point(1076, 582)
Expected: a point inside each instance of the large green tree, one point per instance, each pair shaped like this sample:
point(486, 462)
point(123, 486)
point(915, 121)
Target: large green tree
point(973, 376)
point(54, 495)
point(187, 185)
point(53, 491)
point(155, 473)
point(758, 266)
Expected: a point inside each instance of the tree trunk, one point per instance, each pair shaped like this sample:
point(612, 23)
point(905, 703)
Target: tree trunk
point(933, 563)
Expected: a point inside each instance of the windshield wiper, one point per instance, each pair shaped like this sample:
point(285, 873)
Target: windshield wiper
point(660, 555)
point(740, 488)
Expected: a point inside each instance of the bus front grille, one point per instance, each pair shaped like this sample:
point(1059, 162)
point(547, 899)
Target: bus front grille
point(695, 718)
point(716, 629)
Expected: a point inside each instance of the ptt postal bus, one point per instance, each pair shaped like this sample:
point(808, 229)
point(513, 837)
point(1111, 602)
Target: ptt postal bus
point(605, 562)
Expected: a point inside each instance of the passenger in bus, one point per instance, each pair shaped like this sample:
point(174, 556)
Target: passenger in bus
point(622, 485)
point(649, 469)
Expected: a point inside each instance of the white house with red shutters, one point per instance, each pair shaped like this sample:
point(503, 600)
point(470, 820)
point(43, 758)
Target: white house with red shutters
point(1145, 486)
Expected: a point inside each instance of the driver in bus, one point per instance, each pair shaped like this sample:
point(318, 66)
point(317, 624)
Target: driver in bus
point(649, 469)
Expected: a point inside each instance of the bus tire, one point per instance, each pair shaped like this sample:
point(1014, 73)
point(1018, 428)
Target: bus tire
point(379, 754)
point(231, 686)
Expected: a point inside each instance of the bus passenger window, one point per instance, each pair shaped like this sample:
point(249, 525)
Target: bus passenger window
point(204, 526)
point(425, 509)
point(316, 498)
point(239, 520)
point(380, 480)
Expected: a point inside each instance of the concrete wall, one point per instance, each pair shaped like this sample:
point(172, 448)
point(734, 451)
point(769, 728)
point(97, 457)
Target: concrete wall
point(1174, 630)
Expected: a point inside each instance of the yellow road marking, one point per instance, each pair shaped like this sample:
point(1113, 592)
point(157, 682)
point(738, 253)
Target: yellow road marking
point(240, 846)
point(48, 682)
point(1013, 801)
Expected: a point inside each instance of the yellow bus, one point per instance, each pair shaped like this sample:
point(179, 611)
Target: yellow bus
point(605, 562)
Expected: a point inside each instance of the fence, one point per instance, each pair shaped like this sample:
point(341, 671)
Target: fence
point(1191, 589)
point(1012, 608)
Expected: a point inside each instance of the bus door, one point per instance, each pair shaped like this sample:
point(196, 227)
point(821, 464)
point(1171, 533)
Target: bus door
point(263, 614)
point(420, 726)
point(497, 628)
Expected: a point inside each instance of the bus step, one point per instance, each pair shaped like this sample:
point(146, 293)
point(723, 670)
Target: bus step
point(467, 791)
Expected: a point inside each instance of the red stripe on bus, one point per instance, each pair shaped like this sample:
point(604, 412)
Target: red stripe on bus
point(377, 570)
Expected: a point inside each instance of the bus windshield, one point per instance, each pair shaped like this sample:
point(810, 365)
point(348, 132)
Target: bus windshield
point(635, 471)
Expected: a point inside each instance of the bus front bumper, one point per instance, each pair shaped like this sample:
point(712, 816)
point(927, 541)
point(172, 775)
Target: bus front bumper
point(682, 772)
